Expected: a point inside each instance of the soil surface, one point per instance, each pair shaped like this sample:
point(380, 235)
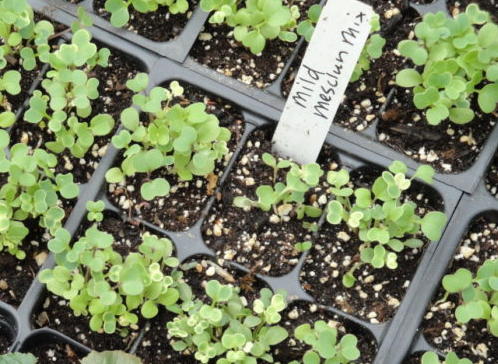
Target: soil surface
point(256, 239)
point(413, 359)
point(440, 328)
point(308, 313)
point(216, 48)
point(492, 177)
point(56, 313)
point(16, 275)
point(154, 347)
point(5, 341)
point(159, 26)
point(57, 353)
point(448, 147)
point(364, 97)
point(183, 206)
point(377, 292)
point(201, 269)
point(114, 97)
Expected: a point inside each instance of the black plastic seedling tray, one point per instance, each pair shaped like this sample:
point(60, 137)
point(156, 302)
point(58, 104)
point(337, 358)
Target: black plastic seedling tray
point(466, 181)
point(394, 338)
point(176, 48)
point(433, 268)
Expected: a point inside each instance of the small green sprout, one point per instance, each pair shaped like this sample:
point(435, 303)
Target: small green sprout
point(113, 289)
point(120, 14)
point(306, 28)
point(304, 246)
point(384, 223)
point(456, 61)
point(372, 50)
point(451, 358)
point(479, 294)
point(283, 198)
point(227, 329)
point(95, 209)
point(255, 22)
point(68, 94)
point(187, 141)
point(32, 191)
point(325, 344)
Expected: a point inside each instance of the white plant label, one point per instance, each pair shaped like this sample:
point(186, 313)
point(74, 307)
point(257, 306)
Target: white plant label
point(322, 79)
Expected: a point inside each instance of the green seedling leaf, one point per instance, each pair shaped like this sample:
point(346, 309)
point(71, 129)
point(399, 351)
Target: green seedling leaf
point(458, 281)
point(110, 357)
point(433, 224)
point(156, 188)
point(18, 358)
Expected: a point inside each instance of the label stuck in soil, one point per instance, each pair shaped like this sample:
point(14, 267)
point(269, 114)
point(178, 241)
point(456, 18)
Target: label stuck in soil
point(322, 79)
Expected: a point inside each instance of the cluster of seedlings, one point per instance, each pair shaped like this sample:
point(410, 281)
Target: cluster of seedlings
point(455, 65)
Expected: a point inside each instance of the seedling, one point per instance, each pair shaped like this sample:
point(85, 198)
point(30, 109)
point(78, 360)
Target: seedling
point(451, 358)
point(23, 42)
point(255, 22)
point(110, 357)
point(187, 141)
point(384, 223)
point(373, 50)
point(69, 90)
point(95, 210)
point(478, 294)
point(31, 191)
point(456, 61)
point(283, 198)
point(325, 344)
point(227, 329)
point(306, 28)
point(110, 288)
point(120, 14)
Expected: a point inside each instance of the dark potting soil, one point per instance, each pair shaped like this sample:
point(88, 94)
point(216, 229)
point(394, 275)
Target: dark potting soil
point(448, 147)
point(201, 269)
point(57, 353)
point(183, 206)
point(114, 97)
point(440, 327)
point(5, 342)
point(155, 348)
point(55, 311)
point(300, 313)
point(377, 292)
point(16, 275)
point(159, 25)
point(364, 97)
point(413, 359)
point(216, 48)
point(492, 177)
point(259, 240)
